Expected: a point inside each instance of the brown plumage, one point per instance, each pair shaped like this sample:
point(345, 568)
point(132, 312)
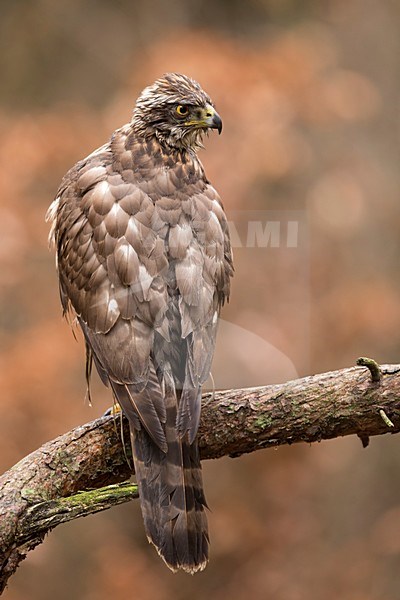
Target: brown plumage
point(144, 262)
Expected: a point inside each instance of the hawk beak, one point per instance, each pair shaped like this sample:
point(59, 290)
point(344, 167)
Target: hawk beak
point(206, 118)
point(212, 119)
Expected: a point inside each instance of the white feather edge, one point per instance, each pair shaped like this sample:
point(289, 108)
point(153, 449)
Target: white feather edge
point(51, 217)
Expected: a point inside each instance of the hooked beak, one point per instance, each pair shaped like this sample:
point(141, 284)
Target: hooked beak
point(207, 118)
point(212, 119)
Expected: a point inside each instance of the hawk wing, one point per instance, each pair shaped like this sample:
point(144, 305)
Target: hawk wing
point(203, 274)
point(110, 263)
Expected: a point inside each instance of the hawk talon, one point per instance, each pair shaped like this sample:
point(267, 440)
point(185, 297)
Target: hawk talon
point(114, 410)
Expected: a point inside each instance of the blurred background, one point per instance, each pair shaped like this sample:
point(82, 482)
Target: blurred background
point(309, 95)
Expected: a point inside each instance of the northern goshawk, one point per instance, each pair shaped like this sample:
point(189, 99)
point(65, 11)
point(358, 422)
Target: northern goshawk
point(144, 264)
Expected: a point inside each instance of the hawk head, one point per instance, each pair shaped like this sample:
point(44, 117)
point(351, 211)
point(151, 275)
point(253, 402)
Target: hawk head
point(176, 111)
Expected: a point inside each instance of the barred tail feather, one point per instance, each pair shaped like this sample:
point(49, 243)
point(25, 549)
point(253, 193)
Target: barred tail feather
point(171, 496)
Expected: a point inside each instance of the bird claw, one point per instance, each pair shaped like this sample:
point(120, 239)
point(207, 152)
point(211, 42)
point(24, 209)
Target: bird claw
point(113, 410)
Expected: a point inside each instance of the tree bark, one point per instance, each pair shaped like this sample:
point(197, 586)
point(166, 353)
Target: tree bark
point(80, 473)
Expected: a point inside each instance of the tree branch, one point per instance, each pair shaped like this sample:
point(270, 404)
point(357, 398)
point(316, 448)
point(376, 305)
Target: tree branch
point(65, 478)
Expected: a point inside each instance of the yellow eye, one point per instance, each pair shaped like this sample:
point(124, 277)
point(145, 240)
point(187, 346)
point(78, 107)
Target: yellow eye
point(181, 110)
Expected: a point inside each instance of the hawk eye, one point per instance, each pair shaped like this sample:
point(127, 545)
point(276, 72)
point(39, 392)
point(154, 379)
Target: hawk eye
point(182, 110)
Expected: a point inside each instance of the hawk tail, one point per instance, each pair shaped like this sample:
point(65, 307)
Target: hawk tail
point(171, 493)
point(172, 501)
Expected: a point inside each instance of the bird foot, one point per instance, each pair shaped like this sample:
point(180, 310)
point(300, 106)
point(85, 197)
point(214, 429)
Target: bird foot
point(114, 410)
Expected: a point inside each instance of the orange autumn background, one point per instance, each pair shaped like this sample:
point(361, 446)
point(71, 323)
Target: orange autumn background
point(309, 95)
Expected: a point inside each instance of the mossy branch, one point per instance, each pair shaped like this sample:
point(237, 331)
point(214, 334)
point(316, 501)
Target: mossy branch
point(40, 518)
point(66, 478)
